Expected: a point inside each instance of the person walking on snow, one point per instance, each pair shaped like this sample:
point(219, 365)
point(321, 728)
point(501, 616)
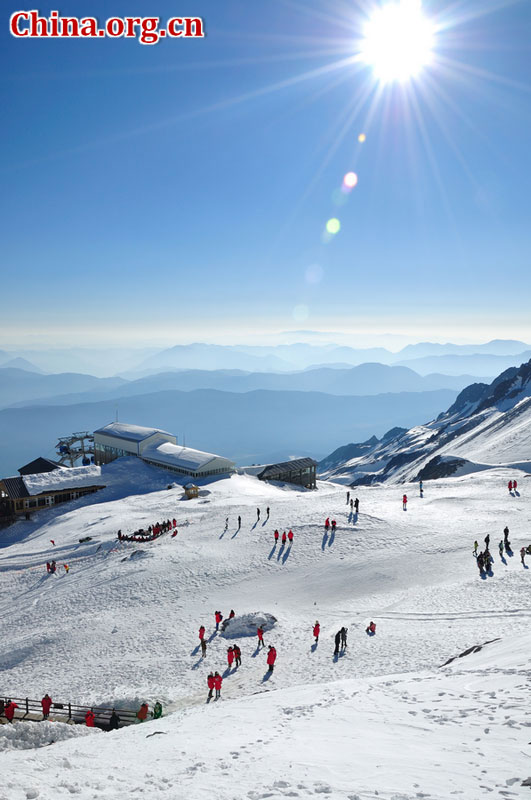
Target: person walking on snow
point(343, 637)
point(89, 719)
point(271, 658)
point(327, 523)
point(232, 614)
point(210, 684)
point(226, 523)
point(157, 710)
point(9, 710)
point(230, 656)
point(290, 536)
point(201, 633)
point(46, 704)
point(276, 536)
point(371, 628)
point(351, 504)
point(114, 721)
point(476, 545)
point(239, 522)
point(404, 502)
point(260, 634)
point(487, 540)
point(316, 631)
point(337, 642)
point(284, 538)
point(218, 618)
point(66, 568)
point(218, 680)
point(333, 524)
point(506, 538)
point(500, 548)
point(174, 522)
point(510, 486)
point(515, 485)
point(356, 505)
point(142, 712)
point(348, 498)
point(522, 555)
point(257, 514)
point(267, 512)
point(237, 656)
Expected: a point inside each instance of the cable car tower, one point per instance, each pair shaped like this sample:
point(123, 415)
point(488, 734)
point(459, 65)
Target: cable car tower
point(77, 445)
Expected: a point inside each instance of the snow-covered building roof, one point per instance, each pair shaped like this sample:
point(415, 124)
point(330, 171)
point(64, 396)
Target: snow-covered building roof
point(186, 460)
point(132, 433)
point(59, 479)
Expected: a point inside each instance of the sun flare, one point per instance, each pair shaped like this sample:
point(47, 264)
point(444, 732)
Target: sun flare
point(398, 41)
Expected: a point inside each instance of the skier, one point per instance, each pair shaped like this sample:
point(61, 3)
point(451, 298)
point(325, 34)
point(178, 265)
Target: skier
point(371, 628)
point(290, 536)
point(271, 658)
point(284, 538)
point(218, 680)
point(46, 704)
point(142, 712)
point(237, 656)
point(348, 498)
point(343, 637)
point(260, 634)
point(337, 641)
point(257, 514)
point(218, 617)
point(210, 684)
point(230, 656)
point(522, 555)
point(357, 505)
point(316, 631)
point(327, 523)
point(9, 710)
point(510, 486)
point(239, 522)
point(157, 710)
point(476, 545)
point(114, 721)
point(89, 719)
point(404, 502)
point(276, 536)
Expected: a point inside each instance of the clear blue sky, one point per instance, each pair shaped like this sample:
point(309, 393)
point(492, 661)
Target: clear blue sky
point(180, 191)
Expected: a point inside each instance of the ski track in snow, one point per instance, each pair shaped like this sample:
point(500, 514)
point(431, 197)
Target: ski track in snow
point(383, 720)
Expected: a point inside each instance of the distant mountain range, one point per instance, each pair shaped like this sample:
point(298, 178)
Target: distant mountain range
point(251, 427)
point(487, 425)
point(23, 388)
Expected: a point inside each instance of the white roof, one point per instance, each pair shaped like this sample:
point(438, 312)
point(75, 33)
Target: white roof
point(176, 456)
point(134, 433)
point(74, 478)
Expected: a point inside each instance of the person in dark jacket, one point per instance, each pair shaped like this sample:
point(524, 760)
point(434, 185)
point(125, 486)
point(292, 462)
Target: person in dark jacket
point(114, 721)
point(343, 637)
point(337, 642)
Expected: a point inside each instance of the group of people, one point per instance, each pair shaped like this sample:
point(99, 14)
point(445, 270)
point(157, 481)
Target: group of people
point(354, 503)
point(286, 537)
point(484, 558)
point(8, 710)
point(512, 486)
point(329, 524)
point(153, 532)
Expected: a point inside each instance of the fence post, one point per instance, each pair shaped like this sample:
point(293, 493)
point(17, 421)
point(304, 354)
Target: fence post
point(69, 711)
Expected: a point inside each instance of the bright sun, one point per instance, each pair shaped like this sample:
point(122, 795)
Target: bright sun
point(398, 41)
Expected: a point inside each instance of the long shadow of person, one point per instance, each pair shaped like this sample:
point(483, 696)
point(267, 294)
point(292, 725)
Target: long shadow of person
point(212, 636)
point(336, 658)
point(331, 540)
point(503, 560)
point(222, 534)
point(517, 494)
point(236, 532)
point(286, 555)
point(254, 526)
point(280, 552)
point(267, 676)
point(325, 539)
point(272, 553)
point(314, 647)
point(355, 518)
point(256, 652)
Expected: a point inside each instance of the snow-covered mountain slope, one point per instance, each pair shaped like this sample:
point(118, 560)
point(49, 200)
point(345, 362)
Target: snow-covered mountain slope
point(487, 425)
point(383, 720)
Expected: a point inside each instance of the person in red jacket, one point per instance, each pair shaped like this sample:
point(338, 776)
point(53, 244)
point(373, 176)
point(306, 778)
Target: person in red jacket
point(276, 536)
point(515, 484)
point(290, 536)
point(260, 634)
point(237, 656)
point(202, 632)
point(46, 704)
point(404, 502)
point(174, 522)
point(316, 631)
point(271, 658)
point(219, 617)
point(371, 628)
point(9, 710)
point(230, 656)
point(284, 538)
point(210, 684)
point(327, 523)
point(89, 719)
point(218, 680)
point(510, 486)
point(142, 712)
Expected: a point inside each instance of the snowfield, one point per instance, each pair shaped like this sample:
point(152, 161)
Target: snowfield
point(383, 720)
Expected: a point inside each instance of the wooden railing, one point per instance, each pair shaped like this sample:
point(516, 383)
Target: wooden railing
point(31, 710)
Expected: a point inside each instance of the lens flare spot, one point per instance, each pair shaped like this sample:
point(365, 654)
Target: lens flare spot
point(314, 273)
point(333, 226)
point(301, 313)
point(361, 138)
point(350, 180)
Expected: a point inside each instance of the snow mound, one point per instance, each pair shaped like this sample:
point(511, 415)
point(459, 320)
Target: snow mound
point(29, 735)
point(246, 624)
